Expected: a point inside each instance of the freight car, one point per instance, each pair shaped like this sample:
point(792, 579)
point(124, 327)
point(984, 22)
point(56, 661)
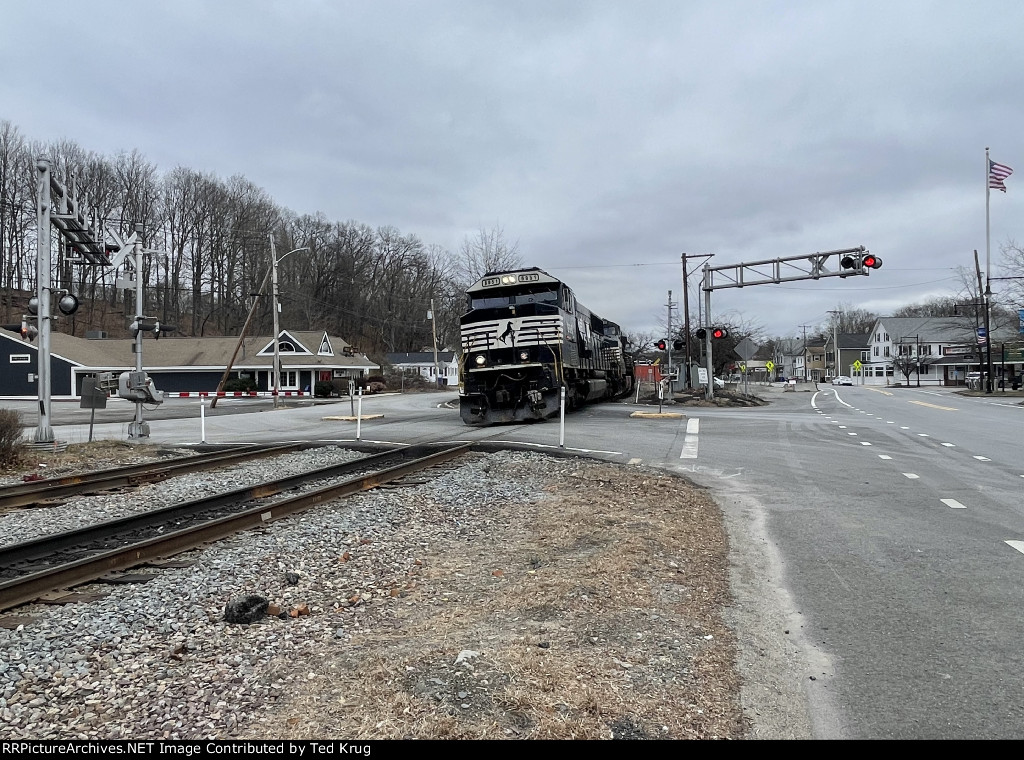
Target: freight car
point(526, 337)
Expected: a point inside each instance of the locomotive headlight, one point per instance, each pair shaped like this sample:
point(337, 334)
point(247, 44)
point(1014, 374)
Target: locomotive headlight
point(480, 360)
point(508, 279)
point(524, 356)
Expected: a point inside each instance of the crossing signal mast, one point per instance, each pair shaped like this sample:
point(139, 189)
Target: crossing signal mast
point(851, 261)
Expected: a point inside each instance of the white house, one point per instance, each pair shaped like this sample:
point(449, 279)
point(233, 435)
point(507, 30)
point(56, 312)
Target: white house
point(422, 363)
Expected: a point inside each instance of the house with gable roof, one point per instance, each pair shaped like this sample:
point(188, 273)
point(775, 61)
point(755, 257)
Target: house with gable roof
point(183, 366)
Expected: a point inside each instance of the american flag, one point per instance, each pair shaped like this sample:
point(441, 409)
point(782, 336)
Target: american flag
point(996, 174)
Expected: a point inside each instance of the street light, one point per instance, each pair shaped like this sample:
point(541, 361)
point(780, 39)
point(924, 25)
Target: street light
point(277, 309)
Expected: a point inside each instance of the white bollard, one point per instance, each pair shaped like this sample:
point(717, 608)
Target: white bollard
point(561, 425)
point(202, 420)
point(359, 414)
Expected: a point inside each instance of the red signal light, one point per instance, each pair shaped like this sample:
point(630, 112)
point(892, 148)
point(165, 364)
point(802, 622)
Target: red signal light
point(871, 262)
point(661, 344)
point(719, 332)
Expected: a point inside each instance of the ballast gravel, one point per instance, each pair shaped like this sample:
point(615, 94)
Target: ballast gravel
point(157, 660)
point(348, 583)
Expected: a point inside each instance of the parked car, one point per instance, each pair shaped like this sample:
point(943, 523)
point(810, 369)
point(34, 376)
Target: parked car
point(719, 382)
point(842, 380)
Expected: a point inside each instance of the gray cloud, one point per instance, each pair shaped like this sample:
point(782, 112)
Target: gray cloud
point(597, 134)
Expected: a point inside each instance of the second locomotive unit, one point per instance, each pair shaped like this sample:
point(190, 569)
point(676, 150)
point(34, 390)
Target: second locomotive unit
point(523, 339)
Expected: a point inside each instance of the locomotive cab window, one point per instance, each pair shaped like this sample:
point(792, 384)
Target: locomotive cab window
point(542, 294)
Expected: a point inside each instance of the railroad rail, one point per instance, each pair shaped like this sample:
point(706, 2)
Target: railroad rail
point(53, 563)
point(41, 492)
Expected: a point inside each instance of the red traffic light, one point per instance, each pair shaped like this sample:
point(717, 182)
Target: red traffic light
point(719, 332)
point(871, 262)
point(661, 344)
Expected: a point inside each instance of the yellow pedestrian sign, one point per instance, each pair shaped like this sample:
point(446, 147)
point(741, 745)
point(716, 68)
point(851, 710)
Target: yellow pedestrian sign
point(857, 365)
point(769, 366)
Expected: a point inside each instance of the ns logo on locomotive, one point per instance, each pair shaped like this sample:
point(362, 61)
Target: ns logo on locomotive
point(523, 339)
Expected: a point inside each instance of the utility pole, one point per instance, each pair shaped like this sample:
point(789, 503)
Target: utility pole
point(668, 340)
point(835, 343)
point(686, 324)
point(805, 352)
point(988, 336)
point(433, 329)
point(44, 433)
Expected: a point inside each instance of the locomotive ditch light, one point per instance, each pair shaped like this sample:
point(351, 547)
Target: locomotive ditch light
point(524, 356)
point(480, 360)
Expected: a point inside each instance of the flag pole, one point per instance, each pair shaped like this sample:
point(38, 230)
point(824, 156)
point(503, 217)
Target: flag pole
point(988, 193)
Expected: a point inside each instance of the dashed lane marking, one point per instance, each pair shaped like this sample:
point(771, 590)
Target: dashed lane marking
point(952, 504)
point(981, 458)
point(911, 475)
point(1018, 545)
point(884, 456)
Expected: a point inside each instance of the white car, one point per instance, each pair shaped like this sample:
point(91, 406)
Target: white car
point(842, 380)
point(719, 382)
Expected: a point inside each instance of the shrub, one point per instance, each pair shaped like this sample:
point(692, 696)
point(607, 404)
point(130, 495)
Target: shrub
point(239, 384)
point(11, 449)
point(324, 389)
point(375, 387)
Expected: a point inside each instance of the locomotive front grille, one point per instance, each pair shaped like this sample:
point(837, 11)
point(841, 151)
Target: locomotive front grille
point(512, 333)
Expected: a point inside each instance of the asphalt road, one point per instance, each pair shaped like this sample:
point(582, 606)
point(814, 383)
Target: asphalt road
point(878, 533)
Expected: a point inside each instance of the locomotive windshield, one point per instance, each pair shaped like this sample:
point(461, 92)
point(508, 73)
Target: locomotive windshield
point(518, 298)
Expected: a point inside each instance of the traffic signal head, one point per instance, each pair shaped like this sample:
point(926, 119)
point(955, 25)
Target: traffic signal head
point(871, 262)
point(662, 345)
point(677, 344)
point(719, 332)
point(701, 333)
point(28, 332)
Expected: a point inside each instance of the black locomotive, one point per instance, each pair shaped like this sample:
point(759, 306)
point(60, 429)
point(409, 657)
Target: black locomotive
point(525, 338)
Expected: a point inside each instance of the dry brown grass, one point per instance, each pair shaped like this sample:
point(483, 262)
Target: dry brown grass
point(596, 613)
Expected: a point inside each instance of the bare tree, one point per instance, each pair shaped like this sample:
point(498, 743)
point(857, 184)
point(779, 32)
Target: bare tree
point(487, 252)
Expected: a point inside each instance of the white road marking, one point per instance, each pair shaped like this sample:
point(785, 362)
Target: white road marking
point(1018, 545)
point(864, 443)
point(982, 459)
point(924, 435)
point(690, 441)
point(949, 444)
point(952, 504)
point(884, 456)
point(911, 475)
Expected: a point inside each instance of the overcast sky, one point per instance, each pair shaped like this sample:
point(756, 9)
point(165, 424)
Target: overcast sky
point(606, 138)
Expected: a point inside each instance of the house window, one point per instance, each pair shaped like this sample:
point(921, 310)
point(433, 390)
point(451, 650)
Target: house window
point(21, 359)
point(864, 356)
point(875, 350)
point(886, 351)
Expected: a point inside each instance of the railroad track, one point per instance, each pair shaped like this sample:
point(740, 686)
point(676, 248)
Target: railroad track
point(53, 490)
point(53, 563)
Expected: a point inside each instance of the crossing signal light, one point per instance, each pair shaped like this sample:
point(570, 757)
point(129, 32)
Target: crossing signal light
point(871, 262)
point(662, 345)
point(28, 332)
point(677, 345)
point(701, 333)
point(719, 332)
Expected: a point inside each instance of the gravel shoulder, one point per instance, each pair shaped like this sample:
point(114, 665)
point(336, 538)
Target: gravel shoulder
point(513, 596)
